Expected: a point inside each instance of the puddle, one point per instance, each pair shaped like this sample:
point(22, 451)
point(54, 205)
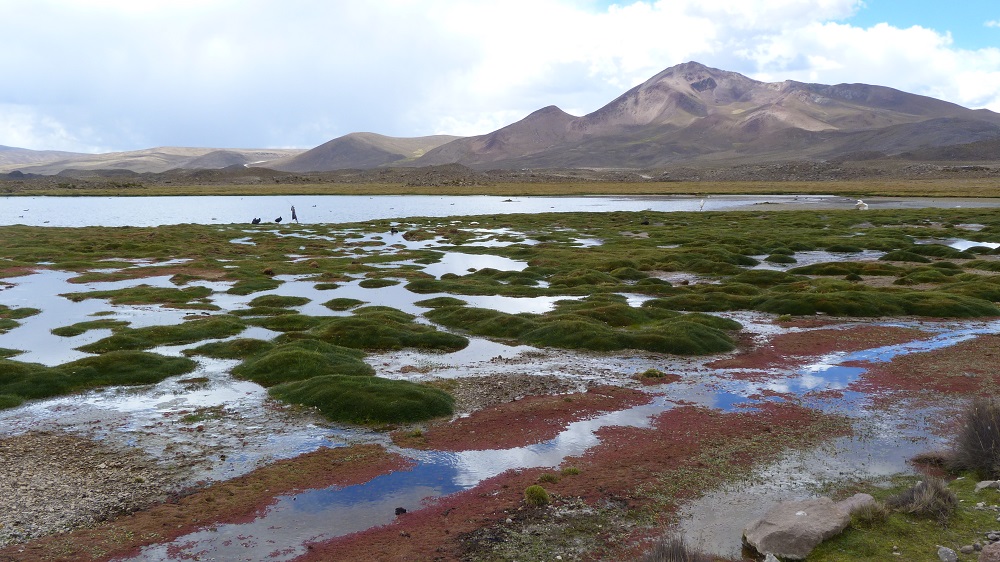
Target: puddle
point(462, 264)
point(818, 256)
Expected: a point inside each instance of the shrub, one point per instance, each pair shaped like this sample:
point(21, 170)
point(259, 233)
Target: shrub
point(536, 495)
point(978, 445)
point(930, 498)
point(367, 400)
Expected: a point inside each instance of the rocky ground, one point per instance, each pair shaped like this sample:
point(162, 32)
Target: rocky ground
point(53, 483)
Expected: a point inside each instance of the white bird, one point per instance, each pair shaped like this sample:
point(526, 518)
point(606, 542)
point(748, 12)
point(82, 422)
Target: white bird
point(861, 205)
point(701, 207)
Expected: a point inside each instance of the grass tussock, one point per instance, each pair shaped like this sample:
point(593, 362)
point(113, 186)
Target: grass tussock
point(977, 446)
point(929, 498)
point(537, 496)
point(299, 360)
point(674, 550)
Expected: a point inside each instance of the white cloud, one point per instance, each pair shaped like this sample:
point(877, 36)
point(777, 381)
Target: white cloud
point(250, 73)
point(992, 23)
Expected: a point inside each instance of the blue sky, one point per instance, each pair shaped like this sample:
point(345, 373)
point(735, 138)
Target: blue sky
point(968, 21)
point(107, 75)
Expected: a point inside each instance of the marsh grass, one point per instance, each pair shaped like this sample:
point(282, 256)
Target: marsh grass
point(367, 400)
point(537, 496)
point(382, 328)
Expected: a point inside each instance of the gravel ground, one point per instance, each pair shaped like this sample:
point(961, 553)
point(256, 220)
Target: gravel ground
point(53, 483)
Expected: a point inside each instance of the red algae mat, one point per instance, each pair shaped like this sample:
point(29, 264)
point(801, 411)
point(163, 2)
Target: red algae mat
point(967, 368)
point(799, 348)
point(522, 422)
point(232, 501)
point(686, 451)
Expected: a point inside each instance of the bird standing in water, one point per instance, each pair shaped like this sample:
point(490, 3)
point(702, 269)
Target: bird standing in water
point(294, 218)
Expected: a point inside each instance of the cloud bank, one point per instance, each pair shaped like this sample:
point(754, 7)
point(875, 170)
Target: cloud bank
point(120, 75)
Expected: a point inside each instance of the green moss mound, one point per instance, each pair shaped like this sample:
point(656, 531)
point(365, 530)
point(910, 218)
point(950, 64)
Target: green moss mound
point(117, 368)
point(83, 327)
point(905, 255)
point(367, 400)
point(278, 301)
point(288, 322)
point(239, 348)
point(382, 329)
point(341, 304)
point(439, 302)
point(377, 283)
point(873, 303)
point(300, 360)
point(10, 401)
point(153, 336)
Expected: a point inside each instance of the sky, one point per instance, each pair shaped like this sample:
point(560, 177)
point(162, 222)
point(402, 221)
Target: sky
point(112, 75)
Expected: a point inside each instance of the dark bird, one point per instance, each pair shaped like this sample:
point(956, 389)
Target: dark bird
point(255, 221)
point(394, 230)
point(277, 219)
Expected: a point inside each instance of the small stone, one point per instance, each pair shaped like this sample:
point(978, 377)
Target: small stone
point(946, 554)
point(967, 549)
point(980, 486)
point(509, 520)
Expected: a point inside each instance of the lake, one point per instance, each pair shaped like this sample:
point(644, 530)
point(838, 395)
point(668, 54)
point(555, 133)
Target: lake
point(156, 211)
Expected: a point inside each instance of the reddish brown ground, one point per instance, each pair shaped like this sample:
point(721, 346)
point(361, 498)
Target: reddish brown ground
point(968, 368)
point(522, 422)
point(799, 348)
point(686, 451)
point(232, 501)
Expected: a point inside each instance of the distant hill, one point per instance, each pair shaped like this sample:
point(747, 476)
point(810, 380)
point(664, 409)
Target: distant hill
point(693, 113)
point(360, 150)
point(12, 157)
point(153, 160)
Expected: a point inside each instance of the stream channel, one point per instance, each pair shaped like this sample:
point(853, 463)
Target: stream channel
point(256, 432)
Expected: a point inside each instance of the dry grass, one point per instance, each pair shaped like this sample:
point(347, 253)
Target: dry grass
point(977, 447)
point(929, 498)
point(674, 550)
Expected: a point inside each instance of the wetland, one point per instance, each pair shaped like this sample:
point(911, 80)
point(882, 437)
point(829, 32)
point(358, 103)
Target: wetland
point(387, 378)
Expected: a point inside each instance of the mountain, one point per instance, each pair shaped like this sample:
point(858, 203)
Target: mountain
point(360, 150)
point(693, 113)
